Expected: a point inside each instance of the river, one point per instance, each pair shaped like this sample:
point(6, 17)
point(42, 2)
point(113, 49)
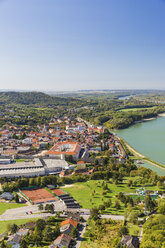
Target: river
point(148, 138)
point(126, 97)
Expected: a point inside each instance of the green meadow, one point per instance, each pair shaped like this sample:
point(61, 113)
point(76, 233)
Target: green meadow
point(90, 194)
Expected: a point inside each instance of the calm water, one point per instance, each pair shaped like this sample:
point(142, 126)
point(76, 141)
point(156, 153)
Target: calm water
point(147, 138)
point(158, 170)
point(126, 97)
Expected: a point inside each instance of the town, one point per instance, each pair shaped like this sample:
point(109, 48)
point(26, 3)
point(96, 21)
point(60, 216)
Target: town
point(64, 177)
point(25, 154)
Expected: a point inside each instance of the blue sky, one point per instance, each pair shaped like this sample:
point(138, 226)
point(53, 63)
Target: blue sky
point(82, 44)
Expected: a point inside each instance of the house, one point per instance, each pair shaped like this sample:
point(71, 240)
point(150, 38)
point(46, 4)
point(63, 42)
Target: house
point(68, 225)
point(7, 196)
point(22, 232)
point(81, 166)
point(66, 229)
point(61, 241)
point(130, 241)
point(14, 241)
point(69, 221)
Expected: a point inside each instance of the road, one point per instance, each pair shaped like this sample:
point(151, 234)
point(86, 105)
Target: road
point(113, 217)
point(24, 212)
point(81, 232)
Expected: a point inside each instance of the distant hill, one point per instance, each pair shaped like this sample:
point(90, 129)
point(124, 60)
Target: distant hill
point(34, 98)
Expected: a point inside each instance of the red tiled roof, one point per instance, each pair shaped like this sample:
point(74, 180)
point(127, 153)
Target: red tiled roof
point(69, 221)
point(73, 151)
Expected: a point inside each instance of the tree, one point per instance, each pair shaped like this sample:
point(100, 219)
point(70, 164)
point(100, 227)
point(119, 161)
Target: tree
point(133, 217)
point(108, 203)
point(74, 233)
point(161, 207)
point(117, 205)
point(40, 207)
point(48, 234)
point(14, 228)
point(101, 207)
point(123, 231)
point(40, 224)
point(23, 244)
point(16, 198)
point(151, 204)
point(129, 183)
point(137, 200)
point(49, 208)
point(105, 161)
point(32, 181)
point(3, 244)
point(94, 213)
point(96, 162)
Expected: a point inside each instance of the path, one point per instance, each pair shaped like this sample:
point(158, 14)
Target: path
point(81, 232)
point(141, 234)
point(113, 217)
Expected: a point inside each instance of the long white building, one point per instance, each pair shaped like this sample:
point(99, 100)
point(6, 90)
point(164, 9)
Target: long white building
point(37, 167)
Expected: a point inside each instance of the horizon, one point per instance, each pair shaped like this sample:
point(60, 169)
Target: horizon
point(81, 90)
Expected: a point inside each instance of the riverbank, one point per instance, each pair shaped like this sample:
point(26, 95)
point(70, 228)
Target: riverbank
point(150, 119)
point(161, 115)
point(146, 119)
point(140, 156)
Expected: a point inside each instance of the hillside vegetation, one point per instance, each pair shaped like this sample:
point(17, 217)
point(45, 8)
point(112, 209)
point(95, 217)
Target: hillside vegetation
point(33, 98)
point(154, 232)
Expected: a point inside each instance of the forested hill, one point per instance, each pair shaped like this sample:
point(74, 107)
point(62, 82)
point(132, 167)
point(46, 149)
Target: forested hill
point(35, 98)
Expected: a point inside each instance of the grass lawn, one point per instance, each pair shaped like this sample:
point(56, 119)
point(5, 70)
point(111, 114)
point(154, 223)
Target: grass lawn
point(5, 206)
point(134, 109)
point(133, 229)
point(19, 160)
point(4, 224)
point(82, 193)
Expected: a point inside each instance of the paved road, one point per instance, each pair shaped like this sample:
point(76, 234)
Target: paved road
point(81, 233)
point(21, 213)
point(24, 213)
point(113, 217)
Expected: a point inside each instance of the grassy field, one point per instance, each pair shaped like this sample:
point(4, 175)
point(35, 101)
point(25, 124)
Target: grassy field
point(134, 109)
point(5, 206)
point(4, 224)
point(83, 194)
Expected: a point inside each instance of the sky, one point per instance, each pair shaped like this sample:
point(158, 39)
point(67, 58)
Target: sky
point(54, 45)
